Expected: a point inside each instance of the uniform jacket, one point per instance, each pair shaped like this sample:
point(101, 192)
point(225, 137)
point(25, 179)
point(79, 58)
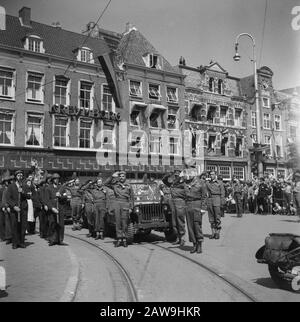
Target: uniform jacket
point(195, 189)
point(216, 192)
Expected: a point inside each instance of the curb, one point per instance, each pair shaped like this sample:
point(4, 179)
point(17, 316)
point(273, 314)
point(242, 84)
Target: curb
point(73, 281)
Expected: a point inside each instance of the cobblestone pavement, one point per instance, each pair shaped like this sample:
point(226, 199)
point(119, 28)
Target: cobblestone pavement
point(37, 273)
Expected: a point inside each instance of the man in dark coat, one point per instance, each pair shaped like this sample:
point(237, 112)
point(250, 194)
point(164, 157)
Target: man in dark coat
point(6, 210)
point(18, 210)
point(53, 194)
point(216, 195)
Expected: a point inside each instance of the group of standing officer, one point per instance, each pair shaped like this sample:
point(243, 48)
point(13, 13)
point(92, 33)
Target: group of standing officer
point(189, 196)
point(98, 199)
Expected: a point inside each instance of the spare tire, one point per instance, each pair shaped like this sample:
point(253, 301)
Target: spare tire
point(286, 283)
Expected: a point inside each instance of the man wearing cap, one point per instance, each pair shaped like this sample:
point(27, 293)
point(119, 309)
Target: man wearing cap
point(177, 191)
point(2, 214)
point(216, 195)
point(101, 201)
point(89, 207)
point(76, 203)
point(237, 190)
point(6, 210)
point(122, 206)
point(44, 216)
point(18, 210)
point(56, 217)
point(196, 195)
point(296, 193)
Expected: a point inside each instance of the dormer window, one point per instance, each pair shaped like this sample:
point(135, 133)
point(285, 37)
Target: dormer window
point(85, 55)
point(153, 61)
point(34, 43)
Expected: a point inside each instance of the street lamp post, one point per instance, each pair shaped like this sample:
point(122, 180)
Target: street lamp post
point(237, 57)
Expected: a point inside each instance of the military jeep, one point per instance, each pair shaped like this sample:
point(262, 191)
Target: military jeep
point(148, 213)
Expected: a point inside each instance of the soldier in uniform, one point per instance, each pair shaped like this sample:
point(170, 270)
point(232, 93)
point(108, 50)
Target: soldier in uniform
point(2, 215)
point(56, 218)
point(196, 195)
point(101, 202)
point(89, 207)
point(44, 214)
point(122, 205)
point(18, 210)
point(177, 191)
point(237, 191)
point(216, 193)
point(76, 203)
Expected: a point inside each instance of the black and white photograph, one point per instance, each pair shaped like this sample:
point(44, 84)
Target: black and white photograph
point(149, 154)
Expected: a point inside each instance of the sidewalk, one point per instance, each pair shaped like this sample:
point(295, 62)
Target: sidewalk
point(37, 273)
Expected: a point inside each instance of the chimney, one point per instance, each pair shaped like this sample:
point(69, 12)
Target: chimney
point(24, 15)
point(2, 18)
point(129, 27)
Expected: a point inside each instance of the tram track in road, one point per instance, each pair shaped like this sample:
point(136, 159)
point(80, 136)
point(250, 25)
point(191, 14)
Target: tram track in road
point(212, 271)
point(119, 275)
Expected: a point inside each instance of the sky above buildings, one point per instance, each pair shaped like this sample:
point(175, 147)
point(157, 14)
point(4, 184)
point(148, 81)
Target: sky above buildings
point(198, 30)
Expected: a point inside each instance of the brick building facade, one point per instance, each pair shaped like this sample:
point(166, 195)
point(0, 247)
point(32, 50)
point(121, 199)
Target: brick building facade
point(55, 104)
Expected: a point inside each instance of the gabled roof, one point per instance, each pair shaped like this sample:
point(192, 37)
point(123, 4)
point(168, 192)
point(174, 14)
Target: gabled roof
point(216, 67)
point(57, 41)
point(133, 46)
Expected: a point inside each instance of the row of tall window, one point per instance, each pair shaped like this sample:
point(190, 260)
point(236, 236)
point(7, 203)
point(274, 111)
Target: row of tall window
point(214, 114)
point(87, 138)
point(154, 91)
point(267, 121)
point(61, 90)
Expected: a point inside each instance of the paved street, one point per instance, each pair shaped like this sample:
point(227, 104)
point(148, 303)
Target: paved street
point(43, 273)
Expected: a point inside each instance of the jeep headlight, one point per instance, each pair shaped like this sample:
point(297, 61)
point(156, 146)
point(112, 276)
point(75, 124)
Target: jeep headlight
point(166, 208)
point(136, 210)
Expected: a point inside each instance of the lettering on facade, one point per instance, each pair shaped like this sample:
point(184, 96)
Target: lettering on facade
point(74, 111)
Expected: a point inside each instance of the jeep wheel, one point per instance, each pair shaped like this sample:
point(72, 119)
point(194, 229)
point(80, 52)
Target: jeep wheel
point(130, 233)
point(170, 235)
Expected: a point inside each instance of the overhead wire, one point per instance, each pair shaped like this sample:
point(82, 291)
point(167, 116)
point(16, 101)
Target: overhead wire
point(83, 43)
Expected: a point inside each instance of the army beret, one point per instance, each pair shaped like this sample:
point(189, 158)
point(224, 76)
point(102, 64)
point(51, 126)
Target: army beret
point(122, 172)
point(18, 172)
point(55, 176)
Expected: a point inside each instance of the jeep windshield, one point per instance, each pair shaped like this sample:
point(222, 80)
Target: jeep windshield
point(146, 192)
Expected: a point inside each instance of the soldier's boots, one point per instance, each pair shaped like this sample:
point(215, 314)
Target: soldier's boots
point(176, 242)
point(98, 236)
point(217, 234)
point(199, 247)
point(125, 243)
point(194, 249)
point(213, 233)
point(118, 243)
